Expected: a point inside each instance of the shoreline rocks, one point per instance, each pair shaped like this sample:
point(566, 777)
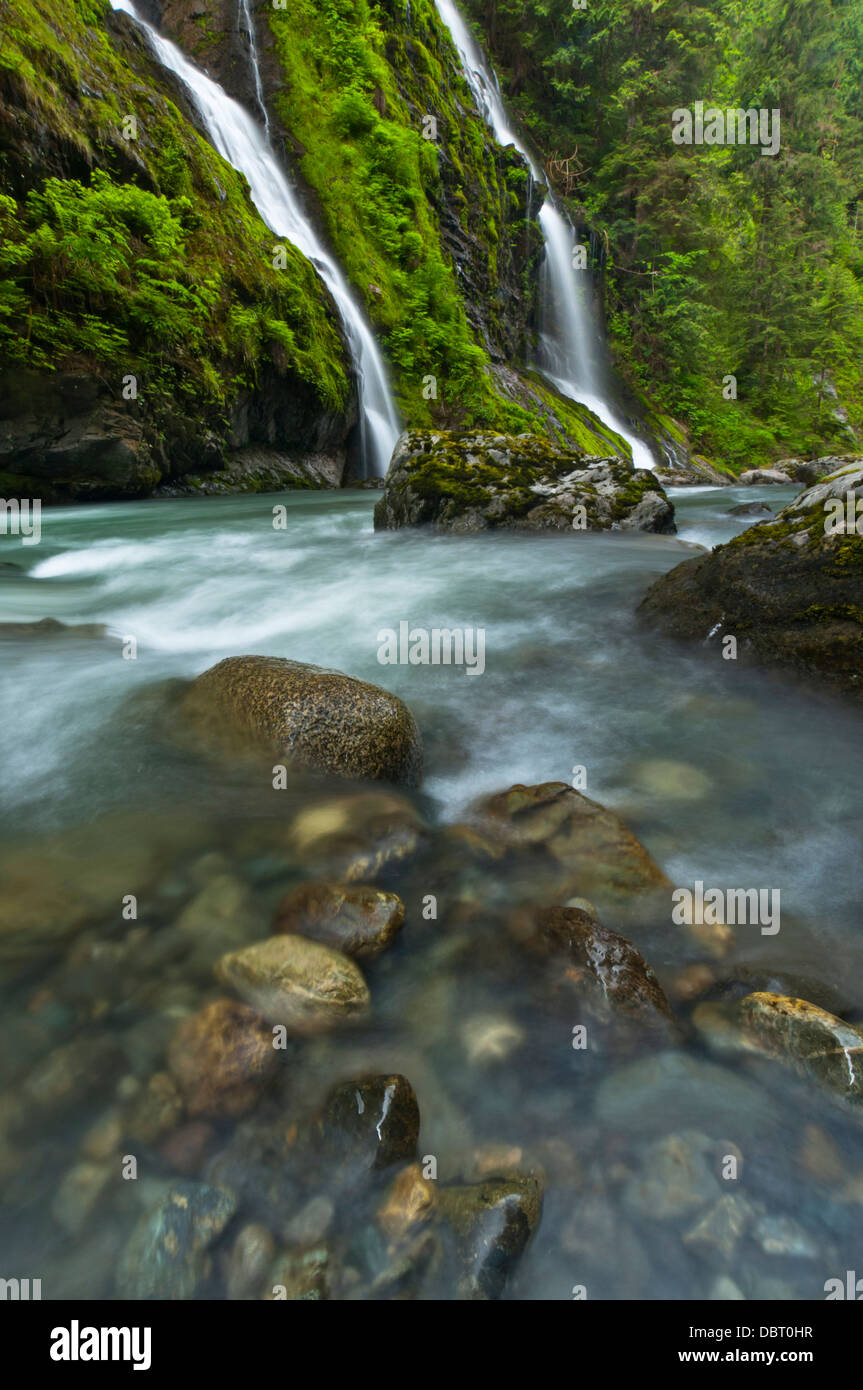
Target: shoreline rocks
point(789, 591)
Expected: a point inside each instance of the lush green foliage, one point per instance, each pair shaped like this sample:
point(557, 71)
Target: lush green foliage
point(720, 261)
point(153, 261)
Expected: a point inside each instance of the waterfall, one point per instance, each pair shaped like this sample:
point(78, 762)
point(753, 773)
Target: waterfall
point(239, 139)
point(567, 322)
point(249, 25)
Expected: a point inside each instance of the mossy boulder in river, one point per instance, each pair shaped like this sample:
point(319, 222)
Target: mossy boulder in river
point(312, 719)
point(475, 481)
point(789, 590)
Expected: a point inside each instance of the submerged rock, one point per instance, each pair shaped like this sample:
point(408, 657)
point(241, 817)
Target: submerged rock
point(813, 1041)
point(166, 1256)
point(357, 919)
point(476, 481)
point(789, 590)
point(598, 851)
point(221, 1057)
point(751, 509)
point(369, 1123)
point(493, 1222)
point(601, 965)
point(301, 984)
point(307, 717)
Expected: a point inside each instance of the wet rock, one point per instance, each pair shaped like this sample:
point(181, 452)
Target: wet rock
point(167, 1254)
point(369, 1123)
point(603, 1248)
point(220, 1058)
point(311, 1223)
point(410, 1201)
point(103, 1139)
point(218, 919)
point(51, 628)
point(71, 1076)
point(185, 1149)
point(724, 1290)
point(156, 1111)
point(413, 1266)
point(810, 1038)
point(599, 852)
point(357, 919)
point(78, 1194)
point(252, 1256)
point(676, 1090)
point(671, 781)
point(306, 717)
point(677, 1178)
point(300, 984)
point(790, 590)
point(718, 1232)
point(781, 1235)
point(489, 1038)
point(257, 1164)
point(477, 481)
point(493, 1222)
point(357, 837)
point(603, 966)
point(819, 1156)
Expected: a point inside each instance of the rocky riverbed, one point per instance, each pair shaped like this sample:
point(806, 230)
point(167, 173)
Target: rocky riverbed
point(272, 1029)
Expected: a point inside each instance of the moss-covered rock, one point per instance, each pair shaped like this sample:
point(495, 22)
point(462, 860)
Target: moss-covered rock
point(475, 481)
point(790, 589)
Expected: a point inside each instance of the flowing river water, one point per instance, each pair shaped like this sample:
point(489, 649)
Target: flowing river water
point(728, 775)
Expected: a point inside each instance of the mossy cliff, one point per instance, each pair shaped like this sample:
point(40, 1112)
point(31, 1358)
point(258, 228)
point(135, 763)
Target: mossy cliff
point(144, 332)
point(433, 222)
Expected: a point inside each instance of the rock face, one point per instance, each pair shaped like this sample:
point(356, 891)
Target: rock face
point(806, 471)
point(298, 983)
point(316, 720)
point(474, 481)
point(790, 590)
point(357, 919)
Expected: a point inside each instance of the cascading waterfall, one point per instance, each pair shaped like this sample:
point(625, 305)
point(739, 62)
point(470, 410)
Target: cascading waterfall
point(567, 323)
point(239, 139)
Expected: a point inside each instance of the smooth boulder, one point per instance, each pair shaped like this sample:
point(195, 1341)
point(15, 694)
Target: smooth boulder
point(300, 984)
point(306, 717)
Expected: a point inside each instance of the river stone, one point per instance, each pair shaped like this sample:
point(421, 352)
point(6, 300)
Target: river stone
point(369, 1123)
point(166, 1255)
point(220, 1057)
point(493, 1222)
point(411, 1200)
point(358, 919)
point(615, 975)
point(751, 509)
point(674, 1090)
point(304, 716)
point(597, 849)
point(676, 1178)
point(301, 984)
point(251, 1258)
point(814, 1041)
point(789, 592)
point(477, 481)
point(71, 1076)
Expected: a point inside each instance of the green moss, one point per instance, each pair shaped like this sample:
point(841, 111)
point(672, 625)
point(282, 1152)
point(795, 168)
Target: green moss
point(153, 260)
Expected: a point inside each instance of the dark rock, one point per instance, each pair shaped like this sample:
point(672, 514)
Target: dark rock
point(751, 509)
point(369, 1123)
point(475, 481)
point(493, 1222)
point(308, 717)
point(789, 592)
